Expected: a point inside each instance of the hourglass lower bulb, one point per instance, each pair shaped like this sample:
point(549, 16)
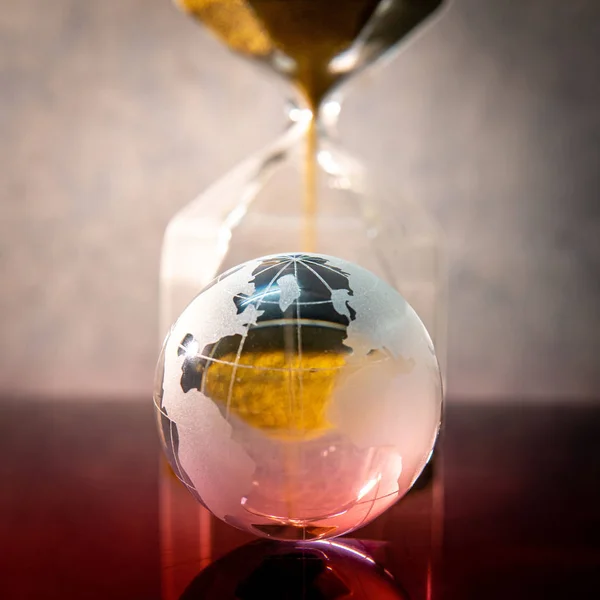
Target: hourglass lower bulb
point(298, 396)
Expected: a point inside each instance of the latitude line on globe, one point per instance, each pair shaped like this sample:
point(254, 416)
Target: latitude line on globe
point(259, 368)
point(311, 369)
point(319, 518)
point(306, 260)
point(297, 302)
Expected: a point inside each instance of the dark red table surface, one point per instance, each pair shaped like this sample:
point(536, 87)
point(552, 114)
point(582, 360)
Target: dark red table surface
point(79, 501)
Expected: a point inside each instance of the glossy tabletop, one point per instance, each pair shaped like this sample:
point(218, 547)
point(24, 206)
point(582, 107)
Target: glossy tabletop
point(81, 517)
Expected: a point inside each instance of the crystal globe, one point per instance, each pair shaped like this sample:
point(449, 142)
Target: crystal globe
point(298, 396)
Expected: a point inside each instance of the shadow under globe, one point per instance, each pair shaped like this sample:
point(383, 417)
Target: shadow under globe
point(271, 570)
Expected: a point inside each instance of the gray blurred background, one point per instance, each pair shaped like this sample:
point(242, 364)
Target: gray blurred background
point(115, 114)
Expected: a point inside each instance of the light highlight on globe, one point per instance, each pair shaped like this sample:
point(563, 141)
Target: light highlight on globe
point(298, 396)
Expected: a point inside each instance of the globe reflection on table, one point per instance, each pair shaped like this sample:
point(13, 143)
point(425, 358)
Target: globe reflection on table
point(320, 570)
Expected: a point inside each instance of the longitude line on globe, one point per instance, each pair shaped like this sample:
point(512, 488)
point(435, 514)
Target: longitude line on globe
point(242, 342)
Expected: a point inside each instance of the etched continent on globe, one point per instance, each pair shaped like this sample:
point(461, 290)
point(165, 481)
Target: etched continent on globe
point(292, 351)
point(298, 396)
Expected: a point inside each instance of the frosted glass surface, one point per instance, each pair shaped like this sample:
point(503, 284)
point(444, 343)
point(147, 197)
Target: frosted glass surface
point(298, 396)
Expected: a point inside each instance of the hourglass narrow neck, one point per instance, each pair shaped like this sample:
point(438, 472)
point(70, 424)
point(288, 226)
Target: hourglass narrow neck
point(324, 118)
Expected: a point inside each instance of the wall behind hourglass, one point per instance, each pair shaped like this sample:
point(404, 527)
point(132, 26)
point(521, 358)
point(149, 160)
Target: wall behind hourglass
point(115, 114)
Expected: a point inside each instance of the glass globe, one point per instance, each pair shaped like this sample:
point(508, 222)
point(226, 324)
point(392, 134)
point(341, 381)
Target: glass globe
point(298, 396)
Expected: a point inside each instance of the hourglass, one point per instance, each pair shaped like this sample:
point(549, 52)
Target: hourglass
point(304, 194)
